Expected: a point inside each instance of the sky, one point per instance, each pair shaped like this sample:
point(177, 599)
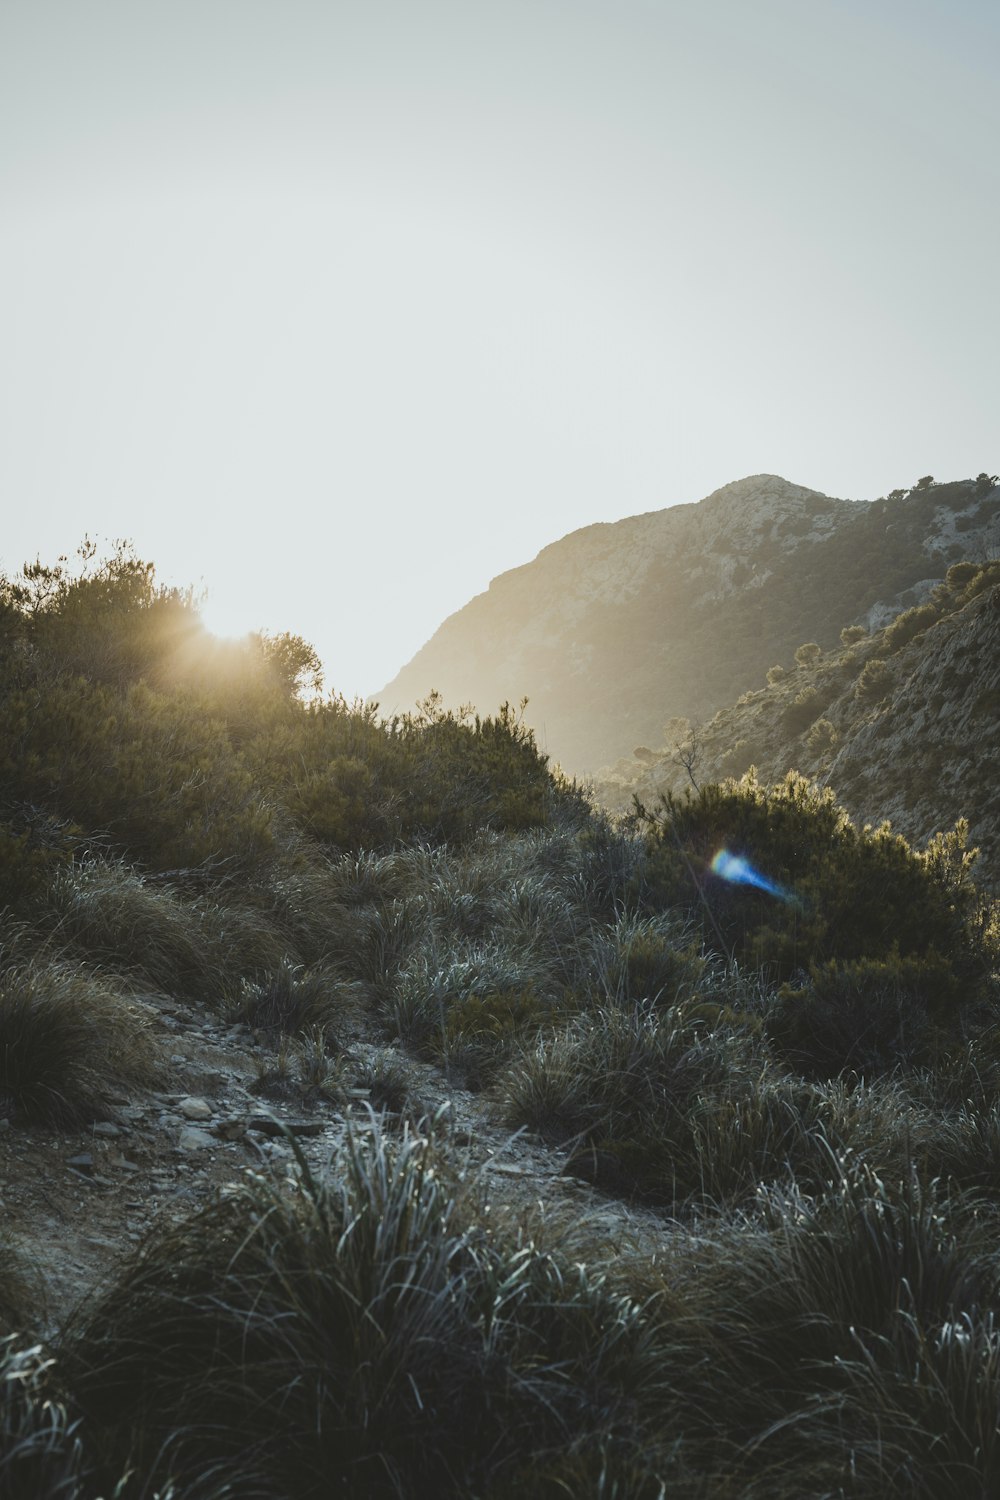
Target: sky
point(338, 310)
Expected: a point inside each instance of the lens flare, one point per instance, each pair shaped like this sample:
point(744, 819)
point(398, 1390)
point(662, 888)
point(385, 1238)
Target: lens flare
point(739, 871)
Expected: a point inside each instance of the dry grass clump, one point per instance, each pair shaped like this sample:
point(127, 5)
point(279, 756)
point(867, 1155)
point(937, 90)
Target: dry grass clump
point(655, 957)
point(389, 1083)
point(68, 1043)
point(839, 1344)
point(112, 915)
point(629, 1087)
point(465, 1006)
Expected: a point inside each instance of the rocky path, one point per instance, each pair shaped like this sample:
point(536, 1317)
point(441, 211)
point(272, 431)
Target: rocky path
point(76, 1203)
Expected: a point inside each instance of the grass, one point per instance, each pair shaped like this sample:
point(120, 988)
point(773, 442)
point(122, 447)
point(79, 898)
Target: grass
point(21, 1293)
point(108, 914)
point(290, 999)
point(361, 1332)
point(69, 1042)
point(819, 1319)
point(41, 1449)
point(373, 1332)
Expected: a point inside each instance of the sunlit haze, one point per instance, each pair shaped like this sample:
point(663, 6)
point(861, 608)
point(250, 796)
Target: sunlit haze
point(342, 309)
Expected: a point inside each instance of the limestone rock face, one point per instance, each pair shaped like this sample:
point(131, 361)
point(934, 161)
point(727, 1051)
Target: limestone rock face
point(621, 626)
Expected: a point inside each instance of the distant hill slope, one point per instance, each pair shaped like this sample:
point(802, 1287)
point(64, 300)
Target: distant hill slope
point(620, 626)
point(904, 724)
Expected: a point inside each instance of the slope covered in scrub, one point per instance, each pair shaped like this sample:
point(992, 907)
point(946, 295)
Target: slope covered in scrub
point(381, 1118)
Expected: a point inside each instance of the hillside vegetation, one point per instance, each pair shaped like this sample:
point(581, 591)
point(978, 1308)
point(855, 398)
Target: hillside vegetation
point(615, 629)
point(903, 721)
point(760, 1040)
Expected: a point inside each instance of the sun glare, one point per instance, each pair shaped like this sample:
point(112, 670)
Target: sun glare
point(226, 619)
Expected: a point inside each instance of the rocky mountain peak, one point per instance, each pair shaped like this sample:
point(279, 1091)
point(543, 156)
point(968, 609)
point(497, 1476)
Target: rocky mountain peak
point(623, 625)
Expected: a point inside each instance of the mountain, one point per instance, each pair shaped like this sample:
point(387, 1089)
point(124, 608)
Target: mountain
point(903, 723)
point(621, 626)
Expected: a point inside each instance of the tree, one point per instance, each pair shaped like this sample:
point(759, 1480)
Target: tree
point(689, 753)
point(292, 662)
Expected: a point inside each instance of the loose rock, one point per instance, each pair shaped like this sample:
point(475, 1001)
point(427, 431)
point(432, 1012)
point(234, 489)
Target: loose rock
point(193, 1108)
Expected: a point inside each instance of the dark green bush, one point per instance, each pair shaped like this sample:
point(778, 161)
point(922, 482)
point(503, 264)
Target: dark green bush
point(866, 1016)
point(34, 847)
point(834, 892)
point(908, 625)
point(875, 681)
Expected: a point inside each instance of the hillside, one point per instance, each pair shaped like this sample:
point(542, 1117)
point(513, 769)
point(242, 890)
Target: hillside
point(379, 1118)
point(904, 723)
point(621, 626)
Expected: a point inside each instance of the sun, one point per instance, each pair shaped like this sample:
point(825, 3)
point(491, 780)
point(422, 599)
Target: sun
point(228, 617)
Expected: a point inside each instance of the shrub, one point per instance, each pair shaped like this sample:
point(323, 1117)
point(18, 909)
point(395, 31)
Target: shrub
point(803, 710)
point(812, 886)
point(852, 634)
point(776, 673)
point(68, 1043)
point(960, 574)
point(908, 625)
point(867, 1017)
point(875, 682)
point(34, 846)
point(822, 737)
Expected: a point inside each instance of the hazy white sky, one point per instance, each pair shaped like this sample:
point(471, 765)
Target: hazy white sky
point(344, 308)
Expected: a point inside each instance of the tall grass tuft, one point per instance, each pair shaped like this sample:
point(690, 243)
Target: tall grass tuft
point(291, 999)
point(41, 1451)
point(68, 1043)
point(358, 1334)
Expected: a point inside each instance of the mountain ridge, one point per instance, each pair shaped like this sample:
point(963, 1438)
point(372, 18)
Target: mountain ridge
point(622, 625)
